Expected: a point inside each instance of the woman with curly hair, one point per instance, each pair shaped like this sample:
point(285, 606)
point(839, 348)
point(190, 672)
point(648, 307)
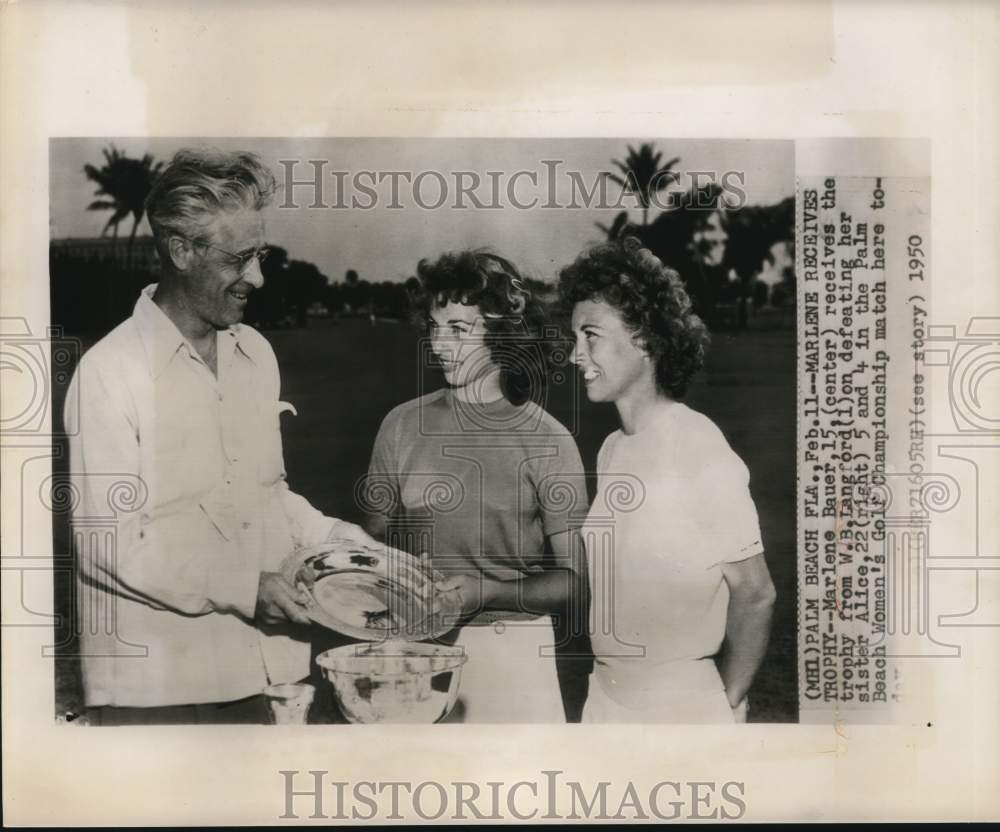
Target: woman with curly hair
point(684, 572)
point(480, 477)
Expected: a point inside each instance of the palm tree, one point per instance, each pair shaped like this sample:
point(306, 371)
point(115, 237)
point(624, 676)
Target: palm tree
point(617, 227)
point(108, 179)
point(643, 175)
point(125, 182)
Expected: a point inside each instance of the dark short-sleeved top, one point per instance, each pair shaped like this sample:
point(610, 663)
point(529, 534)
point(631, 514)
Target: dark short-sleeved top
point(478, 487)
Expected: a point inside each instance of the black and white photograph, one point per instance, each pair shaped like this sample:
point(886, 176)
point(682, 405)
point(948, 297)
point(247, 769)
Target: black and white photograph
point(474, 412)
point(482, 431)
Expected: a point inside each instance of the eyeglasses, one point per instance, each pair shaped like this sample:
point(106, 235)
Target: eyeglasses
point(243, 259)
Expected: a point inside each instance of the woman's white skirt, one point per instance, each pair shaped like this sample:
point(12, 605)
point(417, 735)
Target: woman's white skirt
point(510, 675)
point(688, 692)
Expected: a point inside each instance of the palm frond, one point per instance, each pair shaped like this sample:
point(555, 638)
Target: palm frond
point(644, 174)
point(625, 168)
point(116, 218)
point(126, 182)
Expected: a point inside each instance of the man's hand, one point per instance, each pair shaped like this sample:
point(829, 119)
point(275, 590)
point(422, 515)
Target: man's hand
point(279, 602)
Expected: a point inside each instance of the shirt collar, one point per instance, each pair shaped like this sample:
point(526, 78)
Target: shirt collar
point(162, 339)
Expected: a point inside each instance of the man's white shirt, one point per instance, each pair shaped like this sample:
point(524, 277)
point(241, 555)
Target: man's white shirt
point(166, 600)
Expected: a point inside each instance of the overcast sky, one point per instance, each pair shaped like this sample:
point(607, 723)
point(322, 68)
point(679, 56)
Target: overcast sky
point(385, 243)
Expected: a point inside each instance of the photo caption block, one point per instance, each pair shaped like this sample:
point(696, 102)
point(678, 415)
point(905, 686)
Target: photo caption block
point(863, 262)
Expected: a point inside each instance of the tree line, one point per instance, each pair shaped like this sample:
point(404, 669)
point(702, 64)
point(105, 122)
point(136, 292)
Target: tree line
point(719, 251)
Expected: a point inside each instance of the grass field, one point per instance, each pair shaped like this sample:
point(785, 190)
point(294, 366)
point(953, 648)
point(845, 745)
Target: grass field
point(343, 377)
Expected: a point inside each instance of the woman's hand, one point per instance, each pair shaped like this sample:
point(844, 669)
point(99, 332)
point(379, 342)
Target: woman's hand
point(343, 530)
point(475, 592)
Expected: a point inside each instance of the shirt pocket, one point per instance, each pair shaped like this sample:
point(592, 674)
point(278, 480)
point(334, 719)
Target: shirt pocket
point(271, 463)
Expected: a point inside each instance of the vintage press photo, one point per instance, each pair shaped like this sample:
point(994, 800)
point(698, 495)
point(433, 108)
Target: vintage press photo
point(475, 351)
point(493, 413)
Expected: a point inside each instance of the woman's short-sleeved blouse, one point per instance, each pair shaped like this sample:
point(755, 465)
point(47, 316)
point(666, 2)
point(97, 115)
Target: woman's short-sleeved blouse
point(673, 503)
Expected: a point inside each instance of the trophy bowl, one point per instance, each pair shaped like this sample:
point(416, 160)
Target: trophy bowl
point(394, 681)
point(371, 592)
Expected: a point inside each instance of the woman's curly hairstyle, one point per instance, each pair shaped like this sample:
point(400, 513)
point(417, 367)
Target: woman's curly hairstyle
point(652, 302)
point(513, 308)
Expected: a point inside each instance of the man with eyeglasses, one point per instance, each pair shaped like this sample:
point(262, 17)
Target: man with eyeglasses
point(185, 616)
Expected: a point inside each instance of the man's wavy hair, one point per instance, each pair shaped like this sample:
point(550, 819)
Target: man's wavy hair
point(652, 302)
point(513, 308)
point(197, 186)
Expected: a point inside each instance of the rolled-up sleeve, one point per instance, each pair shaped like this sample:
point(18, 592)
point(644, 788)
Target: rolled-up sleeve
point(723, 512)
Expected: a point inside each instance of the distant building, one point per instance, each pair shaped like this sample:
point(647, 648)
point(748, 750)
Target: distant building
point(774, 273)
point(710, 240)
point(98, 249)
